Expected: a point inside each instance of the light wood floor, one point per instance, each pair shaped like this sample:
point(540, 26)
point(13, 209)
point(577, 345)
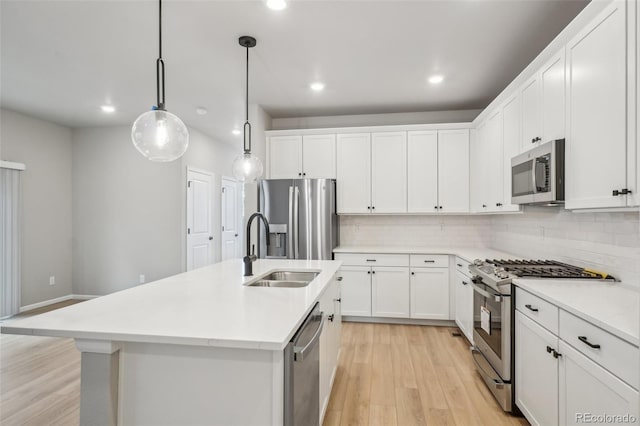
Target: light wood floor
point(409, 375)
point(387, 375)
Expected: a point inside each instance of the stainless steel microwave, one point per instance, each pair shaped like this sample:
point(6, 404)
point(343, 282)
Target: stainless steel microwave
point(537, 176)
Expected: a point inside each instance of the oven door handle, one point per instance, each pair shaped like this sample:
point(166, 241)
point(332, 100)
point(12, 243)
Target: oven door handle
point(485, 293)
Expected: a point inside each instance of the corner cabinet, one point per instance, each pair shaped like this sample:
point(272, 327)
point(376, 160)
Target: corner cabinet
point(567, 368)
point(601, 112)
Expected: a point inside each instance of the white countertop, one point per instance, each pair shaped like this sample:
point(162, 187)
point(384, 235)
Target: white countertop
point(610, 306)
point(204, 307)
point(467, 253)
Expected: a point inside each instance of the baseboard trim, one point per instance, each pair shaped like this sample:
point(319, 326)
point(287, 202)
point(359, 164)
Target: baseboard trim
point(33, 306)
point(408, 321)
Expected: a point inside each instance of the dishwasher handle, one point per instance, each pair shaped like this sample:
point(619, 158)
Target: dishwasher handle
point(300, 352)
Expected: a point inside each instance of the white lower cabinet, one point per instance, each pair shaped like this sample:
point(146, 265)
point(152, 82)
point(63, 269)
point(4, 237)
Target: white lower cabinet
point(356, 290)
point(390, 292)
point(464, 305)
point(430, 293)
point(536, 372)
point(329, 340)
point(556, 383)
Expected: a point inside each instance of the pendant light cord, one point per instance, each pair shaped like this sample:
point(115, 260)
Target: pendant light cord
point(160, 64)
point(247, 125)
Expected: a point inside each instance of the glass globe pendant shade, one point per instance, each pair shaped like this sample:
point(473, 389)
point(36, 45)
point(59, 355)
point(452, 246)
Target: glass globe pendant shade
point(160, 136)
point(247, 168)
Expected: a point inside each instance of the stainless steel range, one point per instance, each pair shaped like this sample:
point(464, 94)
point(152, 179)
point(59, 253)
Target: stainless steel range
point(493, 316)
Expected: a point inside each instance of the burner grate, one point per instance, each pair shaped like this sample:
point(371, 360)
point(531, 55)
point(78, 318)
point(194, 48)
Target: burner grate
point(541, 269)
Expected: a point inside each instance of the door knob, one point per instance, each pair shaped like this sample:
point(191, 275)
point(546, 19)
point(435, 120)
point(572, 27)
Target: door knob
point(210, 238)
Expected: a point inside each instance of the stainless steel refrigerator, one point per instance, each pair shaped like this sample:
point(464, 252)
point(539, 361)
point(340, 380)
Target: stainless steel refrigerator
point(303, 223)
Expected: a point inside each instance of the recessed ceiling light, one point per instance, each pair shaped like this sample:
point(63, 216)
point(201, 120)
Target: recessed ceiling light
point(317, 86)
point(276, 4)
point(436, 79)
point(108, 108)
point(236, 132)
point(201, 110)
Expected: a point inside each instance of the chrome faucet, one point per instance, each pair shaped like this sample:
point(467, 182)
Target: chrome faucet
point(251, 256)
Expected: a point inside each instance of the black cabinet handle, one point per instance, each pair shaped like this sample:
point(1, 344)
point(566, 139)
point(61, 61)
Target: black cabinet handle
point(373, 207)
point(368, 207)
point(429, 261)
point(459, 265)
point(584, 340)
point(484, 206)
point(299, 174)
point(623, 191)
point(549, 349)
point(373, 272)
point(498, 204)
point(413, 273)
point(464, 283)
point(339, 278)
point(368, 272)
point(440, 207)
point(338, 300)
point(304, 174)
point(330, 317)
point(556, 354)
point(531, 308)
point(435, 207)
point(536, 139)
point(371, 260)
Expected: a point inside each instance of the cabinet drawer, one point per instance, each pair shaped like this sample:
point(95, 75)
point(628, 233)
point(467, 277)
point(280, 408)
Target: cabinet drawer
point(429, 260)
point(613, 353)
point(462, 266)
point(361, 259)
point(539, 310)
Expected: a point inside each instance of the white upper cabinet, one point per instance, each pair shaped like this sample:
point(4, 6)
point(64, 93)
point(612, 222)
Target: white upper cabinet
point(530, 113)
point(495, 162)
point(478, 170)
point(552, 95)
point(510, 146)
point(354, 173)
point(597, 112)
point(285, 157)
point(309, 156)
point(422, 170)
point(319, 156)
point(453, 171)
point(389, 172)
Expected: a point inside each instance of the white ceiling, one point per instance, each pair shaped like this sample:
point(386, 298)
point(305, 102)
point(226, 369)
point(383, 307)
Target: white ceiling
point(61, 60)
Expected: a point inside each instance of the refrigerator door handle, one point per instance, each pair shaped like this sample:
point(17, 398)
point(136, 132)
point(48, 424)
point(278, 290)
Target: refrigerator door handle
point(296, 214)
point(290, 253)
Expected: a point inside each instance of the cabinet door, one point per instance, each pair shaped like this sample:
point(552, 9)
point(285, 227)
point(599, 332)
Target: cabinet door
point(453, 171)
point(390, 292)
point(325, 367)
point(354, 173)
point(430, 293)
point(389, 172)
point(464, 305)
point(552, 85)
point(477, 170)
point(536, 372)
point(494, 161)
point(597, 101)
point(586, 388)
point(319, 156)
point(356, 290)
point(422, 171)
point(285, 157)
point(530, 114)
point(510, 146)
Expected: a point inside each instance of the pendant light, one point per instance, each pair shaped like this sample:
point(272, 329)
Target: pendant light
point(158, 134)
point(247, 167)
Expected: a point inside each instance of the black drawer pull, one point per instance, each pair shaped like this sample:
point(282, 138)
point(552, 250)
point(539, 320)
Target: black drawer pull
point(371, 260)
point(584, 340)
point(464, 283)
point(556, 354)
point(339, 278)
point(429, 261)
point(459, 265)
point(531, 308)
point(549, 349)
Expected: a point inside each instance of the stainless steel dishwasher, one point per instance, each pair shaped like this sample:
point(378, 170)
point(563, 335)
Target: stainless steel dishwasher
point(302, 373)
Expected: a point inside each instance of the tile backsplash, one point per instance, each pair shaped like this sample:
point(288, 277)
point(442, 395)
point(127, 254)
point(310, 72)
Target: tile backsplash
point(603, 241)
point(412, 231)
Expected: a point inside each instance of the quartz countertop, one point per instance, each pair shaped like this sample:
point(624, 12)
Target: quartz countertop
point(611, 306)
point(467, 253)
point(209, 306)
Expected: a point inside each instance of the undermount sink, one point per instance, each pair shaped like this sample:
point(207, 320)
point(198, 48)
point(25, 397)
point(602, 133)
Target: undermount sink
point(289, 279)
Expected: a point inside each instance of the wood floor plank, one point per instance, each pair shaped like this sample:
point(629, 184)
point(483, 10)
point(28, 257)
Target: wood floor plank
point(382, 415)
point(409, 407)
point(382, 382)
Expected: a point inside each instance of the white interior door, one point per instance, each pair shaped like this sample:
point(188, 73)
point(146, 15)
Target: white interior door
point(199, 208)
point(230, 219)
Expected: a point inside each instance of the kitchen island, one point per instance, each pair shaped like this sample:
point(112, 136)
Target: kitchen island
point(200, 347)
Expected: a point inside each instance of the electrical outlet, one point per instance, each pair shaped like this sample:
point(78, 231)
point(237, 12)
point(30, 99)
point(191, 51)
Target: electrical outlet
point(141, 278)
point(52, 280)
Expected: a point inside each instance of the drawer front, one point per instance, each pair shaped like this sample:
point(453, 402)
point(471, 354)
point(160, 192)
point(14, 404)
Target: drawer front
point(363, 259)
point(539, 310)
point(429, 260)
point(462, 266)
point(611, 352)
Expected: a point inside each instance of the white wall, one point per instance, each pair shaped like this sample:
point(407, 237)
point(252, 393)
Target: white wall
point(45, 148)
point(605, 241)
point(415, 231)
point(129, 212)
point(432, 117)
